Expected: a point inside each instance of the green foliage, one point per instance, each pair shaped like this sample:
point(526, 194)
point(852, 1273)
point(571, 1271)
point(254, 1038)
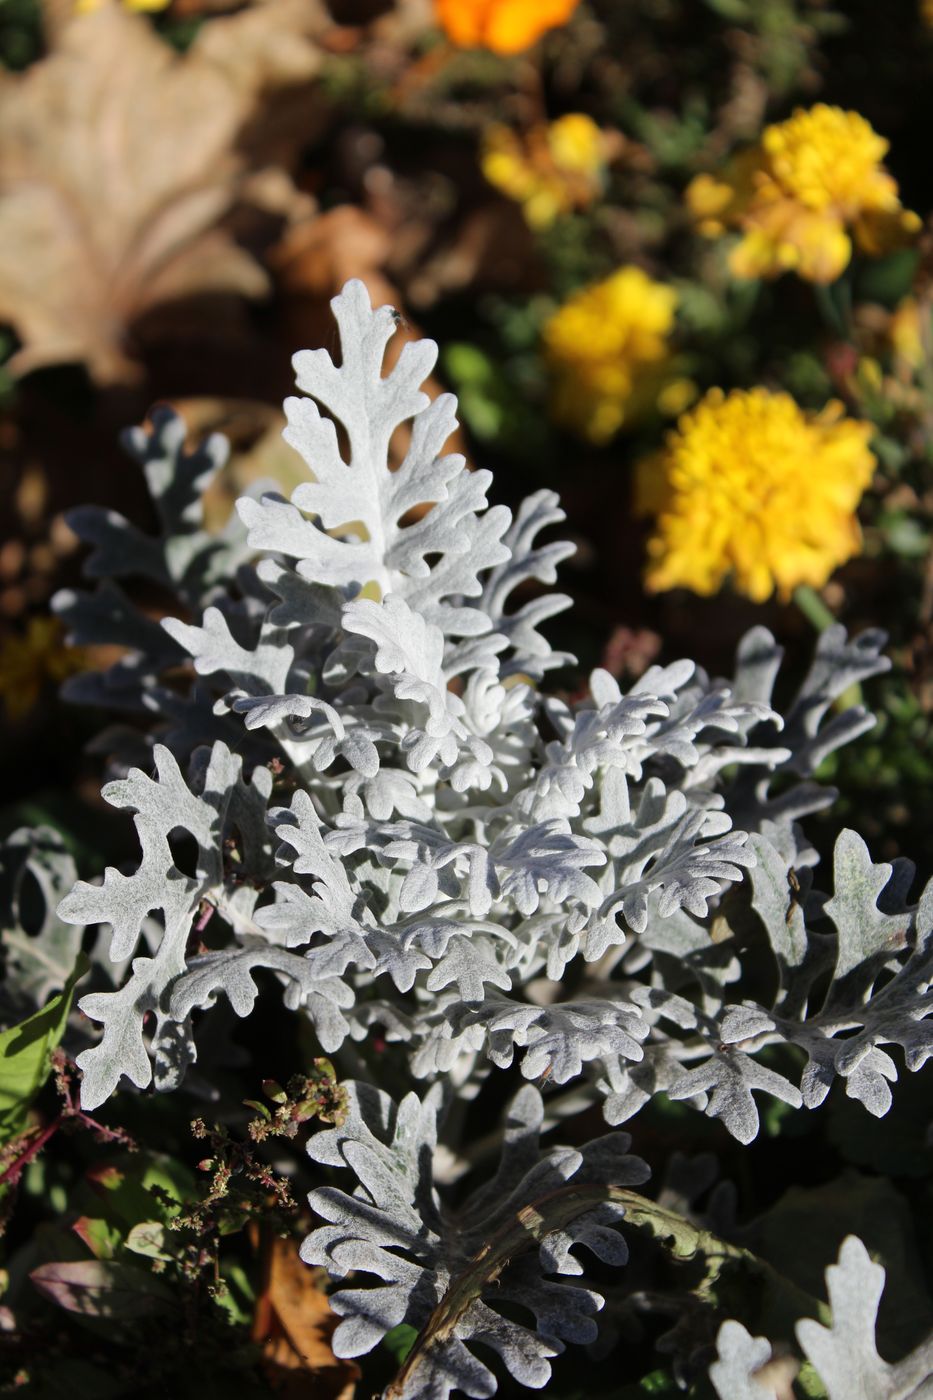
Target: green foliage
point(20, 41)
point(25, 1055)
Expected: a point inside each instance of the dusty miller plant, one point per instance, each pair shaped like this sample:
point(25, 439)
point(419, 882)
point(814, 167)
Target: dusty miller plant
point(841, 1350)
point(380, 804)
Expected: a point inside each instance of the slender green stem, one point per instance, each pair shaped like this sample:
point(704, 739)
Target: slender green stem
point(834, 302)
point(827, 308)
point(813, 608)
point(820, 617)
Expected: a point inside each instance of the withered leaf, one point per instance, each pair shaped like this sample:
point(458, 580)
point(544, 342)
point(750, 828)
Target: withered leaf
point(294, 1323)
point(124, 164)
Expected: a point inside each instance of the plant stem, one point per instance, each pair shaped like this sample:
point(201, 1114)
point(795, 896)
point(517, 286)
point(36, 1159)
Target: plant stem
point(834, 302)
point(529, 1226)
point(813, 608)
point(40, 1137)
point(820, 617)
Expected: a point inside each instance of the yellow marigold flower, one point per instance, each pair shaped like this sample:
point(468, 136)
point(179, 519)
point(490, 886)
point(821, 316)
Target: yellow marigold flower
point(905, 334)
point(812, 186)
point(607, 350)
point(577, 144)
point(552, 169)
point(28, 663)
point(505, 26)
point(749, 485)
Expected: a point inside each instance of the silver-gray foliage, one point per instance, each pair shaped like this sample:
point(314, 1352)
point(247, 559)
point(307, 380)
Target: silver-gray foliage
point(366, 789)
point(39, 948)
point(843, 1354)
point(397, 1227)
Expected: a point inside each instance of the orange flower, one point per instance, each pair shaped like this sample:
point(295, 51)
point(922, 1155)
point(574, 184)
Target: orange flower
point(505, 26)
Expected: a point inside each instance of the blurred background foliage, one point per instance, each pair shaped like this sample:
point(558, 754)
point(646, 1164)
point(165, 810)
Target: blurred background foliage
point(184, 186)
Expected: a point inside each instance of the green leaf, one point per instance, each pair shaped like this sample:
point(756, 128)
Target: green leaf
point(889, 278)
point(905, 536)
point(479, 386)
point(142, 1188)
point(99, 1236)
point(149, 1238)
point(95, 1288)
point(659, 1383)
point(400, 1340)
point(737, 11)
point(25, 1051)
point(809, 1383)
point(259, 1108)
point(233, 1288)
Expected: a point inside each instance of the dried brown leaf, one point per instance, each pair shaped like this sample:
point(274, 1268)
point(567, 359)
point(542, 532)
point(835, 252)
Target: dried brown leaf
point(294, 1324)
point(258, 451)
point(123, 164)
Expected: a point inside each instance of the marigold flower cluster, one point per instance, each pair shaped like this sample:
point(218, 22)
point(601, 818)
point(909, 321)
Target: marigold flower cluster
point(504, 26)
point(813, 187)
point(607, 350)
point(550, 170)
point(749, 485)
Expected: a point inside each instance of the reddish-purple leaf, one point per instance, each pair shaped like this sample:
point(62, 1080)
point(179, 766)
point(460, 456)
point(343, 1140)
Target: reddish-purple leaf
point(103, 1288)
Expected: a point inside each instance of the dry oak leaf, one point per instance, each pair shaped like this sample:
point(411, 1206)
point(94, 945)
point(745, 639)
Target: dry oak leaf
point(293, 1324)
point(121, 160)
point(316, 257)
